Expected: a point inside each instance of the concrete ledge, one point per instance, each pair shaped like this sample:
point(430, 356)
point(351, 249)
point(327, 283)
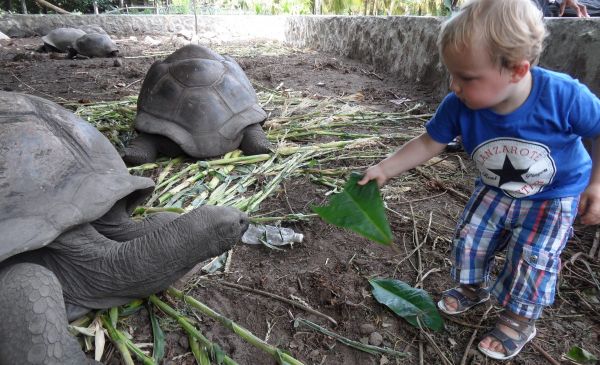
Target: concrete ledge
point(404, 46)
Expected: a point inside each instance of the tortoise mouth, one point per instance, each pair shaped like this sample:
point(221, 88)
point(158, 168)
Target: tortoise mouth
point(114, 54)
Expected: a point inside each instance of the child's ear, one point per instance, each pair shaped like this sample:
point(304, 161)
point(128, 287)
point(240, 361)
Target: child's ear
point(519, 70)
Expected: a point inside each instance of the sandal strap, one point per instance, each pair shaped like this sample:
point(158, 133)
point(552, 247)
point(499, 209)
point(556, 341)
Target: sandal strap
point(463, 299)
point(509, 344)
point(523, 328)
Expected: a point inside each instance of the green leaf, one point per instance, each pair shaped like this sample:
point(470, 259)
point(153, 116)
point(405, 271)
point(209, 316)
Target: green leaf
point(217, 354)
point(360, 209)
point(407, 302)
point(158, 351)
point(581, 356)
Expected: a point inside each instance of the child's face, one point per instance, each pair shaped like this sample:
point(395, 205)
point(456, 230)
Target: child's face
point(475, 79)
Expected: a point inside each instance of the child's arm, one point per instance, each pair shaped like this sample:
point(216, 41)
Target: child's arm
point(589, 203)
point(410, 155)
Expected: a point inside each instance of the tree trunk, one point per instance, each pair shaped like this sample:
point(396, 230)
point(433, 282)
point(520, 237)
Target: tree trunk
point(8, 5)
point(46, 4)
point(95, 5)
point(24, 6)
point(391, 8)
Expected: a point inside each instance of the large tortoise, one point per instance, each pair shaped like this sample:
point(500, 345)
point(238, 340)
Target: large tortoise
point(197, 102)
point(68, 242)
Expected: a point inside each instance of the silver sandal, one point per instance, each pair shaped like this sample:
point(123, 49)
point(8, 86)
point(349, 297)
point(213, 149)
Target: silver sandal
point(463, 302)
point(525, 329)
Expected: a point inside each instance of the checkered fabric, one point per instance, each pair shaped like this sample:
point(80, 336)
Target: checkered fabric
point(533, 234)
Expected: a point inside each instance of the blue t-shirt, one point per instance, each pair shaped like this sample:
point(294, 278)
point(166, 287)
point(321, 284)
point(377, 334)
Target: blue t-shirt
point(536, 151)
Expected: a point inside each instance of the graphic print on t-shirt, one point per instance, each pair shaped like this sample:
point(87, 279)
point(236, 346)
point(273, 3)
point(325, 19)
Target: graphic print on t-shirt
point(519, 167)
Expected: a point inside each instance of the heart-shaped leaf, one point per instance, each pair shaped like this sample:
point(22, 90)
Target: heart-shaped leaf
point(407, 302)
point(581, 356)
point(360, 209)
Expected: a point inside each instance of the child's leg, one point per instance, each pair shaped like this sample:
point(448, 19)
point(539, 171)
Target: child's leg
point(479, 234)
point(526, 284)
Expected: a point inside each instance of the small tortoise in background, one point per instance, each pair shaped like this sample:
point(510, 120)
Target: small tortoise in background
point(93, 45)
point(197, 102)
point(68, 243)
point(89, 41)
point(60, 39)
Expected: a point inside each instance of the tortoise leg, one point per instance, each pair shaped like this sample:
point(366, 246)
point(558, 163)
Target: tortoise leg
point(255, 140)
point(146, 147)
point(141, 150)
point(33, 329)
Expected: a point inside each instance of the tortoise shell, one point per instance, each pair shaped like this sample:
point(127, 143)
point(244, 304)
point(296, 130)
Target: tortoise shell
point(200, 100)
point(62, 38)
point(56, 172)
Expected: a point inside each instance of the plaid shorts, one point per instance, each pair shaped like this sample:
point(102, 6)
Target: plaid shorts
point(532, 232)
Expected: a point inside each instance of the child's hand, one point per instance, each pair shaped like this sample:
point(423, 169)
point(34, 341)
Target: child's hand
point(376, 173)
point(589, 205)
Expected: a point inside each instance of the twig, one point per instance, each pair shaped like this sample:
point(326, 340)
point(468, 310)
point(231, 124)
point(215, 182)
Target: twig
point(433, 344)
point(464, 358)
point(275, 296)
point(416, 240)
point(427, 198)
point(544, 354)
point(131, 83)
point(36, 90)
point(453, 191)
point(595, 244)
point(462, 323)
point(355, 344)
point(421, 351)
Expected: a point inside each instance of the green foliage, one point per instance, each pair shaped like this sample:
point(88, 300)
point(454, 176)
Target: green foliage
point(581, 356)
point(360, 209)
point(407, 302)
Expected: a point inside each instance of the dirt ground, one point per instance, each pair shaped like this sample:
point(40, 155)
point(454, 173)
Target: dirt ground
point(329, 271)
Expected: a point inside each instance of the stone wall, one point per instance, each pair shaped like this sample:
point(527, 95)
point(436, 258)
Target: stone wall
point(226, 27)
point(403, 46)
point(406, 46)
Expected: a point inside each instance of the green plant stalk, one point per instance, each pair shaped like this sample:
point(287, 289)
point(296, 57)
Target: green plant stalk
point(124, 345)
point(144, 167)
point(242, 160)
point(289, 165)
point(200, 354)
point(285, 218)
point(187, 326)
point(324, 146)
point(190, 168)
point(327, 133)
point(163, 174)
point(242, 332)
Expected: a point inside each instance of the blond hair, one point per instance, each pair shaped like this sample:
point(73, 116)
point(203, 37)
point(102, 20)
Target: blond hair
point(513, 30)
